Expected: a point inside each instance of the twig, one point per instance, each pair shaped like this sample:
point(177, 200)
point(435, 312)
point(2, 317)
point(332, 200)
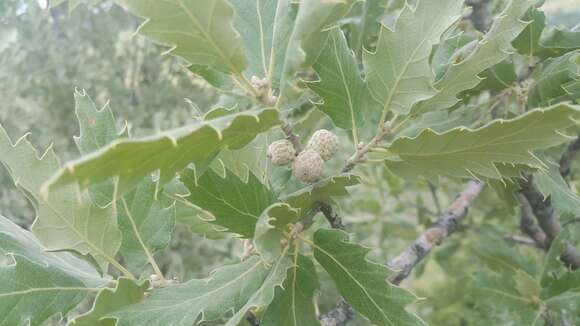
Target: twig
point(527, 224)
point(339, 316)
point(568, 156)
point(333, 218)
point(433, 190)
point(516, 239)
point(544, 211)
point(292, 137)
point(435, 234)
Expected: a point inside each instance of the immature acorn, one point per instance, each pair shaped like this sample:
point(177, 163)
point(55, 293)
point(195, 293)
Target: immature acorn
point(281, 152)
point(308, 166)
point(325, 143)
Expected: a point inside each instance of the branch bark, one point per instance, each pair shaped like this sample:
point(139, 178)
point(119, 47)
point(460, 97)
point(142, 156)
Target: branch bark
point(435, 234)
point(543, 210)
point(568, 156)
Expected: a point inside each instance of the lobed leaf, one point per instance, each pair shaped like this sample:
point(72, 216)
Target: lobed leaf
point(66, 221)
point(363, 284)
point(97, 129)
point(31, 293)
point(304, 42)
point(293, 304)
point(126, 292)
point(228, 289)
point(199, 31)
point(489, 51)
point(557, 80)
point(131, 160)
point(235, 204)
point(153, 224)
point(551, 184)
point(340, 85)
point(322, 191)
point(16, 241)
point(398, 73)
point(477, 153)
point(272, 227)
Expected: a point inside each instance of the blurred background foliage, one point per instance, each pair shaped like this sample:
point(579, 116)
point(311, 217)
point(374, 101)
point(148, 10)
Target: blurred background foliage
point(45, 55)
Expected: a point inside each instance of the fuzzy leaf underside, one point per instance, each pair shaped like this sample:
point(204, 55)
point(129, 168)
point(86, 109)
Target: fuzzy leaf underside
point(467, 153)
point(491, 50)
point(227, 289)
point(362, 283)
point(169, 152)
point(15, 240)
point(235, 204)
point(153, 222)
point(66, 220)
point(31, 293)
point(199, 31)
point(398, 73)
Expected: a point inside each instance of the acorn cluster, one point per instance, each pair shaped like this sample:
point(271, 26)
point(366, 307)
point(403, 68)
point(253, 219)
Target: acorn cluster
point(308, 164)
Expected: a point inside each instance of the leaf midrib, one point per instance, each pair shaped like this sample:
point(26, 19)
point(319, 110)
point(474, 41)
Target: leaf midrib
point(353, 278)
point(206, 35)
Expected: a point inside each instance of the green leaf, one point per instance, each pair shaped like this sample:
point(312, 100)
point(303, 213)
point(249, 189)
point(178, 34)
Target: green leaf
point(527, 43)
point(498, 77)
point(142, 216)
point(362, 283)
point(564, 292)
point(66, 220)
point(440, 121)
point(187, 214)
point(550, 183)
point(556, 81)
point(306, 39)
point(527, 285)
point(293, 304)
point(263, 295)
point(271, 228)
point(322, 191)
point(31, 293)
point(199, 31)
point(235, 204)
point(498, 256)
point(500, 293)
point(126, 292)
point(169, 152)
point(97, 129)
point(14, 240)
point(491, 50)
point(340, 84)
point(556, 41)
point(398, 73)
point(229, 288)
point(256, 21)
point(476, 153)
